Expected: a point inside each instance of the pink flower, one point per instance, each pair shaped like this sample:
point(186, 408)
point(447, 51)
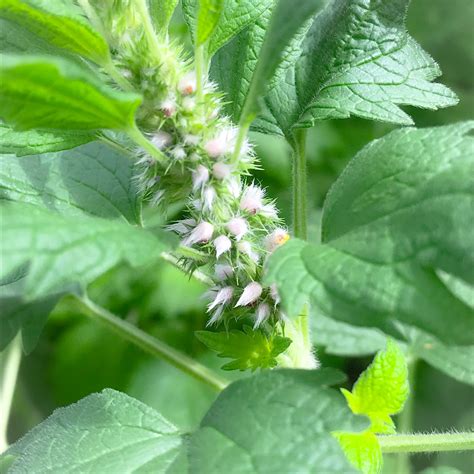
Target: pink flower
point(222, 244)
point(223, 143)
point(168, 107)
point(251, 200)
point(238, 227)
point(262, 314)
point(221, 170)
point(223, 296)
point(187, 84)
point(223, 271)
point(178, 152)
point(275, 239)
point(200, 234)
point(200, 177)
point(161, 139)
point(250, 294)
point(215, 147)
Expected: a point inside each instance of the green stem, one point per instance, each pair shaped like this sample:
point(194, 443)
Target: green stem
point(152, 38)
point(9, 363)
point(242, 135)
point(152, 345)
point(199, 64)
point(300, 186)
point(114, 73)
point(198, 275)
point(405, 419)
point(426, 443)
point(137, 136)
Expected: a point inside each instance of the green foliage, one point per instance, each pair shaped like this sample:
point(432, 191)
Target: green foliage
point(357, 59)
point(32, 142)
point(162, 11)
point(55, 93)
point(93, 431)
point(382, 389)
point(209, 13)
point(60, 24)
point(381, 260)
point(362, 450)
point(250, 349)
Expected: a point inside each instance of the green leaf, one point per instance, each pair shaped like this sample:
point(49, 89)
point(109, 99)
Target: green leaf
point(104, 432)
point(250, 349)
point(17, 315)
point(209, 14)
point(93, 179)
point(408, 196)
point(273, 422)
point(357, 59)
point(362, 450)
point(236, 16)
point(382, 389)
point(60, 24)
point(36, 141)
point(161, 12)
point(367, 294)
point(54, 93)
point(284, 24)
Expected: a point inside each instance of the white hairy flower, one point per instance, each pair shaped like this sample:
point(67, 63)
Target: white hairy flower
point(168, 107)
point(250, 294)
point(251, 200)
point(190, 139)
point(223, 143)
point(269, 210)
point(223, 296)
point(262, 314)
point(178, 152)
point(221, 170)
point(187, 84)
point(222, 244)
point(208, 196)
point(234, 187)
point(161, 139)
point(246, 248)
point(238, 227)
point(200, 234)
point(223, 271)
point(276, 238)
point(200, 177)
point(215, 147)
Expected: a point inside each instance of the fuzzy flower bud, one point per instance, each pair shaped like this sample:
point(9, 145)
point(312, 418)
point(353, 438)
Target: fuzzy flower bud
point(223, 271)
point(252, 199)
point(223, 296)
point(234, 187)
point(168, 107)
point(246, 248)
point(200, 234)
point(221, 170)
point(250, 294)
point(178, 153)
point(222, 244)
point(209, 194)
point(187, 84)
point(215, 147)
point(200, 177)
point(238, 227)
point(276, 238)
point(161, 139)
point(192, 140)
point(262, 314)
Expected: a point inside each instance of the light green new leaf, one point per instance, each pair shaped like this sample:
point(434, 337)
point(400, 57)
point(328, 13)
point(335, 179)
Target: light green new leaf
point(382, 389)
point(93, 179)
point(273, 422)
point(60, 24)
point(408, 196)
point(67, 249)
point(235, 17)
point(22, 143)
point(104, 432)
point(161, 12)
point(53, 93)
point(362, 450)
point(209, 14)
point(357, 59)
point(250, 349)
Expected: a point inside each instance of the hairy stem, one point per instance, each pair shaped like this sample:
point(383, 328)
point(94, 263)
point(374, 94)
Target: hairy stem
point(405, 420)
point(199, 63)
point(137, 136)
point(300, 186)
point(244, 127)
point(152, 345)
point(152, 38)
point(426, 443)
point(9, 364)
point(198, 275)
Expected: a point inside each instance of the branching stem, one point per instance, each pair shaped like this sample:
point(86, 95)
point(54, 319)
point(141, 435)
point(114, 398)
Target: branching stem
point(152, 345)
point(426, 443)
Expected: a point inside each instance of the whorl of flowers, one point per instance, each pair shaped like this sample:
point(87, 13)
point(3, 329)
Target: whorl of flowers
point(230, 221)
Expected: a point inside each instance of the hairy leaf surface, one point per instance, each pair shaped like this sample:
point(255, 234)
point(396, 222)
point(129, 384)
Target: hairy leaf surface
point(53, 93)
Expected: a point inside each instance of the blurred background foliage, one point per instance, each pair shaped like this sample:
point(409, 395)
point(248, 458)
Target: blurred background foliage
point(75, 356)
